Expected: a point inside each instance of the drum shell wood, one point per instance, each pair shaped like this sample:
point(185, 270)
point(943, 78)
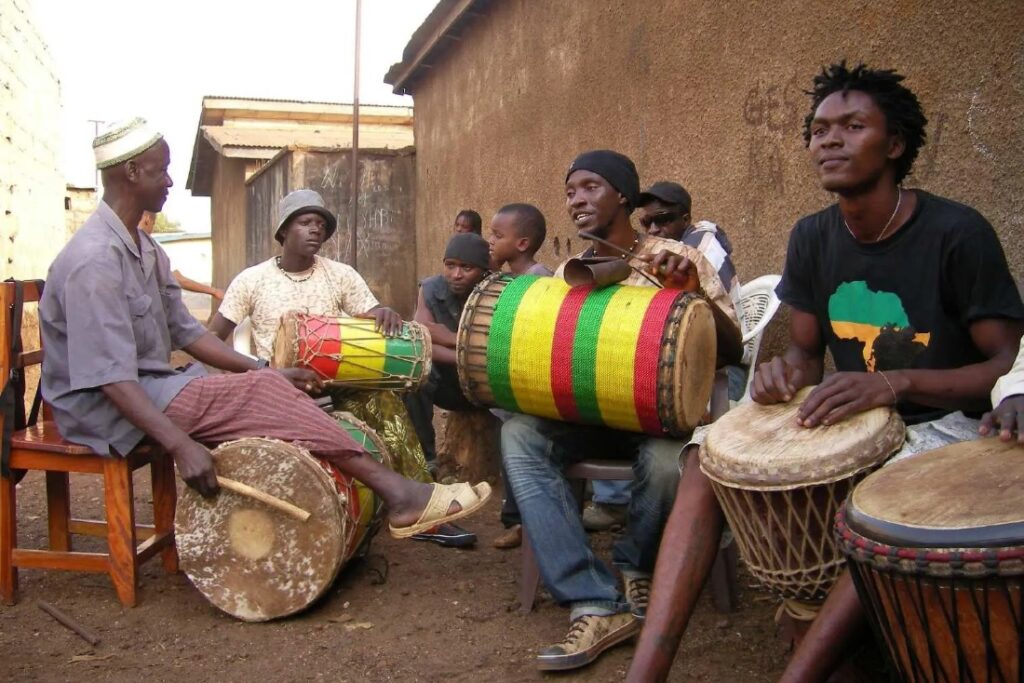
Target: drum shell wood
point(349, 352)
point(366, 507)
point(945, 609)
point(685, 371)
point(780, 505)
point(252, 561)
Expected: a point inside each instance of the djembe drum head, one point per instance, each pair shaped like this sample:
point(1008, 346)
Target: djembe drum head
point(780, 486)
point(253, 561)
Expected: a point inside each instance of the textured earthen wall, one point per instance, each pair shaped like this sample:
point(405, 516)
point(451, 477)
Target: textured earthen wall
point(32, 227)
point(710, 94)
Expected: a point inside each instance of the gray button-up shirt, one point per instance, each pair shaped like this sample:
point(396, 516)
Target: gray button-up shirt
point(110, 312)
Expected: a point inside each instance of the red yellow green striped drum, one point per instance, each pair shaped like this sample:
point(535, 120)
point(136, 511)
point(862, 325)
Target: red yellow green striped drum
point(640, 359)
point(366, 507)
point(350, 352)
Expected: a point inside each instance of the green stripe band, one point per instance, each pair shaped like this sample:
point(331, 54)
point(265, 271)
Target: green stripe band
point(398, 351)
point(499, 340)
point(584, 353)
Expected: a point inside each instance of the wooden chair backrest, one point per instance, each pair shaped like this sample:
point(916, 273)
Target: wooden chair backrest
point(31, 292)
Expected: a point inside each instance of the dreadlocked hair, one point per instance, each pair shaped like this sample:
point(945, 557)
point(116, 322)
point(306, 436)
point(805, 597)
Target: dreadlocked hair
point(903, 114)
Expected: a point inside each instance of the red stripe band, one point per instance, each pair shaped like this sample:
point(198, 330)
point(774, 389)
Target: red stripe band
point(645, 361)
point(561, 353)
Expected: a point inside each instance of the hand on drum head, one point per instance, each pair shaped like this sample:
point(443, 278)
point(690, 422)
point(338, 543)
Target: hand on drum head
point(673, 270)
point(844, 394)
point(1008, 418)
point(388, 322)
point(195, 467)
point(777, 381)
point(303, 379)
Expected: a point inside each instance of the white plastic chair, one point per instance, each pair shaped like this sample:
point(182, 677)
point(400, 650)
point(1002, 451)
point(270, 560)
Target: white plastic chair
point(758, 304)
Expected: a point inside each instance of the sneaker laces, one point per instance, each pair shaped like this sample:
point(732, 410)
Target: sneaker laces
point(577, 629)
point(639, 591)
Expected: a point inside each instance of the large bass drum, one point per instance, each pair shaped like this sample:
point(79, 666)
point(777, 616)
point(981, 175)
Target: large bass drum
point(639, 359)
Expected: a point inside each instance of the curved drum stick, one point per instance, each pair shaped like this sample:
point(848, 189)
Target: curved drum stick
point(264, 497)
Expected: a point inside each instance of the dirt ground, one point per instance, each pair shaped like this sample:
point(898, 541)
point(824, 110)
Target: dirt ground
point(439, 614)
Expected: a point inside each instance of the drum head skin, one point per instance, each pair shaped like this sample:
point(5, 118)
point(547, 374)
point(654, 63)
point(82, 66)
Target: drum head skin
point(763, 448)
point(968, 495)
point(247, 558)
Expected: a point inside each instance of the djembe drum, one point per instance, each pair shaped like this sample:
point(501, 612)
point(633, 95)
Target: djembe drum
point(257, 563)
point(350, 352)
point(936, 549)
point(639, 359)
point(780, 486)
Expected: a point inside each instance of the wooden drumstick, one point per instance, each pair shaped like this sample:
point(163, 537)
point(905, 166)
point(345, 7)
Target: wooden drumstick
point(264, 497)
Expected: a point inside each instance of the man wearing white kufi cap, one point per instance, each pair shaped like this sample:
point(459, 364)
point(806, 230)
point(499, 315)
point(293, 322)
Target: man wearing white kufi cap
point(123, 141)
point(111, 314)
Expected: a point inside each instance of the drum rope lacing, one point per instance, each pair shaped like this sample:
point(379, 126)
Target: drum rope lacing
point(309, 337)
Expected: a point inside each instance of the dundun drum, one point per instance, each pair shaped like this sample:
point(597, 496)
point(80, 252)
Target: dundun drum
point(780, 486)
point(640, 359)
point(251, 560)
point(350, 352)
point(936, 544)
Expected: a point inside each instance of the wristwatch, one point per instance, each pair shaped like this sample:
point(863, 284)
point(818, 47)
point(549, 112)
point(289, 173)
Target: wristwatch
point(262, 363)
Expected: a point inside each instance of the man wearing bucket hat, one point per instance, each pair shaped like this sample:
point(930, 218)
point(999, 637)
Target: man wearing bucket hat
point(602, 189)
point(110, 315)
point(300, 279)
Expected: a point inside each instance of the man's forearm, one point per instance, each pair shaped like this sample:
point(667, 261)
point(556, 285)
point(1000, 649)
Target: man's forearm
point(135, 406)
point(964, 388)
point(211, 350)
point(442, 354)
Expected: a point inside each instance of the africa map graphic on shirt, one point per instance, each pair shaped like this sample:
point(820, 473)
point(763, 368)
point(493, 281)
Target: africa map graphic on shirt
point(879, 321)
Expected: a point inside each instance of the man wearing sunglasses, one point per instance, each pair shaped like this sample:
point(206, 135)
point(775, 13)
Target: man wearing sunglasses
point(665, 212)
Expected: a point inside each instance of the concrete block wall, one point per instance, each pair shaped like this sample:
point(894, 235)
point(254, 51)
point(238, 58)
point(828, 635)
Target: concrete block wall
point(32, 224)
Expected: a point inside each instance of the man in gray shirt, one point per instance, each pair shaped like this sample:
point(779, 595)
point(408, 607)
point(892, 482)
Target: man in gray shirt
point(110, 315)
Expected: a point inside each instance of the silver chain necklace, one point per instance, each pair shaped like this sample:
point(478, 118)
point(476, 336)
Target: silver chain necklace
point(899, 199)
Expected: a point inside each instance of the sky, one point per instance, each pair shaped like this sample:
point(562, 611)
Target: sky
point(122, 58)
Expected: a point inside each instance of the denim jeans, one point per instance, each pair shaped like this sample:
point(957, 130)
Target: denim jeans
point(535, 452)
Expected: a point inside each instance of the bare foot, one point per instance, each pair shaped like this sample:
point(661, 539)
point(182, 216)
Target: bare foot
point(408, 512)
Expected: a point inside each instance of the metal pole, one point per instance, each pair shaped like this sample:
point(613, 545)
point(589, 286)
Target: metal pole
point(354, 200)
point(96, 123)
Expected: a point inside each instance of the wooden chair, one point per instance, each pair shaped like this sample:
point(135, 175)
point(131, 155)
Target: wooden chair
point(40, 447)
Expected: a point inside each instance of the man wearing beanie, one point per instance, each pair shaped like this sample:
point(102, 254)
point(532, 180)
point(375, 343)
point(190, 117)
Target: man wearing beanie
point(439, 307)
point(111, 314)
point(602, 189)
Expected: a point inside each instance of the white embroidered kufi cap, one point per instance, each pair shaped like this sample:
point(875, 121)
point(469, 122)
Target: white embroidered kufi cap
point(123, 141)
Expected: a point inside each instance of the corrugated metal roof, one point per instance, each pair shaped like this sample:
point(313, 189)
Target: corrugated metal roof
point(224, 138)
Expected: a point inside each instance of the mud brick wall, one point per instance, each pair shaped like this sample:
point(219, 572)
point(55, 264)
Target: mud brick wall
point(32, 228)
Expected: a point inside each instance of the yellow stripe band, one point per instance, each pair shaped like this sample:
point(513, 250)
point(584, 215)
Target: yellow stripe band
point(363, 350)
point(533, 333)
point(616, 344)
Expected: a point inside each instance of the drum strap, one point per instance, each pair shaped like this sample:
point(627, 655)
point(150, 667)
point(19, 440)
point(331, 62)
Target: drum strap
point(12, 398)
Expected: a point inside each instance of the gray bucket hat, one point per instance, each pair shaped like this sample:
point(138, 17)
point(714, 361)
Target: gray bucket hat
point(303, 201)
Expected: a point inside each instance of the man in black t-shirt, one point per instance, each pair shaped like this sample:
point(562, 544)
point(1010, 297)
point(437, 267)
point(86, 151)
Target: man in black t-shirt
point(910, 293)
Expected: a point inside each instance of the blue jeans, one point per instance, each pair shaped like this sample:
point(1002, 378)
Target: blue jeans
point(535, 453)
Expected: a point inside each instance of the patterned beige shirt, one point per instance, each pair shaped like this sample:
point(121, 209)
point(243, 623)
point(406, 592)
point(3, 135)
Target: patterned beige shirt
point(263, 293)
point(709, 280)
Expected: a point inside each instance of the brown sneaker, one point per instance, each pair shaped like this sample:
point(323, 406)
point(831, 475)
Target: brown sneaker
point(638, 593)
point(588, 637)
point(512, 537)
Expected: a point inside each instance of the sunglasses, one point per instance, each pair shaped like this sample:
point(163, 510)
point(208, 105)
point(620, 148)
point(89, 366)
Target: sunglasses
point(659, 219)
